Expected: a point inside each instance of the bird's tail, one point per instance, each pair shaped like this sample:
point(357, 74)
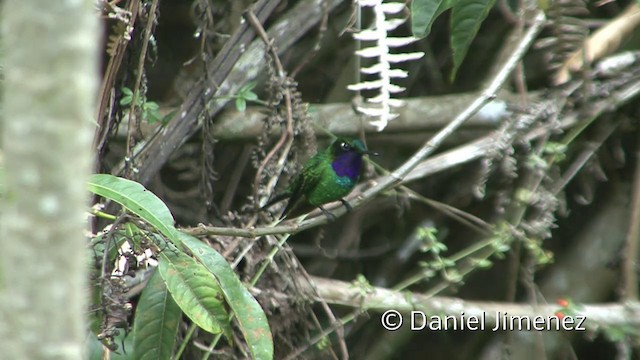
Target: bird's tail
point(275, 199)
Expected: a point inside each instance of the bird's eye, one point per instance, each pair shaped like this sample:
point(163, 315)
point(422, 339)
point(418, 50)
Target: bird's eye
point(345, 146)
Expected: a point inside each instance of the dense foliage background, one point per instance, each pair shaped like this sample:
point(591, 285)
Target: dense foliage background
point(531, 206)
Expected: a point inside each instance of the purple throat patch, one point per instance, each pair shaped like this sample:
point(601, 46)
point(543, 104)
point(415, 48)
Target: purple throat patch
point(348, 164)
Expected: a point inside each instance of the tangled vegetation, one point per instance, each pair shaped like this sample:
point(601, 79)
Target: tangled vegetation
point(507, 180)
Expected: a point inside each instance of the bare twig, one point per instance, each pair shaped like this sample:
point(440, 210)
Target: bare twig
point(105, 94)
point(234, 180)
point(286, 140)
point(136, 86)
point(584, 156)
point(237, 63)
point(396, 177)
point(630, 264)
point(286, 137)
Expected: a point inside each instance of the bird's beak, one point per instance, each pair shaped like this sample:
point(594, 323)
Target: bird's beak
point(370, 153)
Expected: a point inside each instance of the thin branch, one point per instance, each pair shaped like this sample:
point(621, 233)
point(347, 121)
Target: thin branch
point(186, 122)
point(239, 62)
point(630, 264)
point(105, 95)
point(286, 137)
point(446, 160)
point(587, 153)
point(396, 177)
point(136, 86)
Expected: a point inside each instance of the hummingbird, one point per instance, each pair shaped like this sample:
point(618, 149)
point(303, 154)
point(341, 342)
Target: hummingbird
point(328, 176)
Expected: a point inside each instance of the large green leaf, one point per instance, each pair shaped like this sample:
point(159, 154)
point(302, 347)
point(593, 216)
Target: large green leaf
point(135, 198)
point(466, 18)
point(425, 12)
point(156, 322)
point(193, 286)
point(195, 290)
point(250, 316)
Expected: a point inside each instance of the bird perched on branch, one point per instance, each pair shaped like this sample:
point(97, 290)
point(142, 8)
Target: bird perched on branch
point(328, 176)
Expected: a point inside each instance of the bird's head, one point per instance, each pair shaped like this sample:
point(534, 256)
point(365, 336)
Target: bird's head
point(342, 146)
point(347, 157)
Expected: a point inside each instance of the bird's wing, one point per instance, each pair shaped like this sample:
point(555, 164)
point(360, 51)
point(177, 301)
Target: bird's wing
point(306, 181)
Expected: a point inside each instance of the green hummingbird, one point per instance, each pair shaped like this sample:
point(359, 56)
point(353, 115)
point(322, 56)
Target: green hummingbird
point(328, 176)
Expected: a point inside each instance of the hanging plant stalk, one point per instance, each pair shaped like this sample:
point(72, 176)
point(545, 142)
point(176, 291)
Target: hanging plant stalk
point(380, 106)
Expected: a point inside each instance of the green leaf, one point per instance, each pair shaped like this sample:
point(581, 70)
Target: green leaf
point(241, 104)
point(250, 96)
point(156, 322)
point(151, 105)
point(165, 119)
point(250, 316)
point(152, 118)
point(135, 198)
point(425, 12)
point(466, 18)
point(128, 96)
point(195, 290)
point(247, 87)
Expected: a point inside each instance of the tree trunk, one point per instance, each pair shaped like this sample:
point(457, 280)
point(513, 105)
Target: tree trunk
point(50, 78)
